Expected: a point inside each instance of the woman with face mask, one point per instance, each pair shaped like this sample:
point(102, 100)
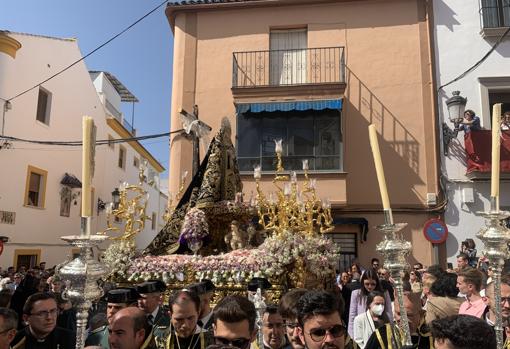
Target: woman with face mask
point(369, 282)
point(366, 323)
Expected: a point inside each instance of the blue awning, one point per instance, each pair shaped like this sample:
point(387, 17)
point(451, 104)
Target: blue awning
point(334, 104)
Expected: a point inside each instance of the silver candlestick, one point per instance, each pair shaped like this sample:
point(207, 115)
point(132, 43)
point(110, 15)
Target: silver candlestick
point(260, 305)
point(82, 275)
point(495, 237)
point(395, 250)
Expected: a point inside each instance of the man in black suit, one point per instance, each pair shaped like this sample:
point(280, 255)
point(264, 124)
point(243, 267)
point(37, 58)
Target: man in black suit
point(40, 313)
point(204, 289)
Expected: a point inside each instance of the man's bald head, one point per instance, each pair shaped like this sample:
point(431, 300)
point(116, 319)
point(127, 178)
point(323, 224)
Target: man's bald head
point(128, 329)
point(412, 304)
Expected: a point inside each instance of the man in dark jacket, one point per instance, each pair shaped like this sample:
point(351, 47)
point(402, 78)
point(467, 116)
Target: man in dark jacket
point(40, 313)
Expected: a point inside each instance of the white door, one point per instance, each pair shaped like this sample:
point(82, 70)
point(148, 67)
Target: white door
point(288, 57)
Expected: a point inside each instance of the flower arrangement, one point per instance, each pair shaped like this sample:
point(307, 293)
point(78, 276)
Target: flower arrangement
point(194, 227)
point(270, 260)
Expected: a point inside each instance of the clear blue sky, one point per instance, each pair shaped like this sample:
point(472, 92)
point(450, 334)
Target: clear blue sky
point(140, 58)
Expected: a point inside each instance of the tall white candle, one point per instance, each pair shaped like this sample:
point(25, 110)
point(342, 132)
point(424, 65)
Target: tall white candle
point(374, 144)
point(86, 177)
point(496, 146)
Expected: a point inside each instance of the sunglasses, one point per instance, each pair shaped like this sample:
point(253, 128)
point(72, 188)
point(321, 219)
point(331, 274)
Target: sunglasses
point(240, 343)
point(318, 334)
point(505, 299)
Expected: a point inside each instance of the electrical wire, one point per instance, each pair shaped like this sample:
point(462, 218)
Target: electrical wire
point(88, 54)
point(474, 66)
point(98, 142)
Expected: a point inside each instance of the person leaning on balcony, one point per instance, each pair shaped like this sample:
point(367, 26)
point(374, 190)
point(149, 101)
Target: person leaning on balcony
point(505, 121)
point(471, 122)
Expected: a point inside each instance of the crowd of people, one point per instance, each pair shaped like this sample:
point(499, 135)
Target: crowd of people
point(446, 309)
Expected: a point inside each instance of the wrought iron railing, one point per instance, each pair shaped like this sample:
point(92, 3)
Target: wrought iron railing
point(494, 13)
point(324, 65)
point(129, 127)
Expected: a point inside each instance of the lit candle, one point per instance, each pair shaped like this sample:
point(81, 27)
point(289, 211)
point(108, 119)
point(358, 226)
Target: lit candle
point(305, 165)
point(109, 208)
point(496, 146)
point(257, 172)
point(372, 133)
point(278, 146)
point(313, 183)
point(293, 177)
point(86, 174)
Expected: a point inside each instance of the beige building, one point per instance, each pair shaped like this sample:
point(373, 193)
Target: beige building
point(316, 73)
point(39, 183)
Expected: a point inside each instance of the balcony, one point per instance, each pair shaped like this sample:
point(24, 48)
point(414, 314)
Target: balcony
point(478, 145)
point(274, 72)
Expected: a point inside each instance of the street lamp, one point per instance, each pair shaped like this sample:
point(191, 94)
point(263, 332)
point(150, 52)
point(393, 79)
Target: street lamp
point(456, 105)
point(116, 198)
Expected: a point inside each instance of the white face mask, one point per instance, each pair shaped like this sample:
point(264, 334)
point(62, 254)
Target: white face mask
point(377, 309)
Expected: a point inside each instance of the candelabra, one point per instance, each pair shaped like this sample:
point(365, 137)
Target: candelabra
point(260, 306)
point(82, 275)
point(294, 209)
point(395, 250)
point(130, 209)
point(495, 237)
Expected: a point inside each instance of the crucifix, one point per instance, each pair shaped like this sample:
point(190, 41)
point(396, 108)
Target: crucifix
point(195, 129)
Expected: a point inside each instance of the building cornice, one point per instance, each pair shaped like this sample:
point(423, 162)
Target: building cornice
point(124, 133)
point(9, 45)
point(173, 9)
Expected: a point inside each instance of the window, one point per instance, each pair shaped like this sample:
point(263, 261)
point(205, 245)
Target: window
point(288, 57)
point(43, 106)
point(495, 13)
point(35, 188)
point(314, 135)
point(154, 221)
point(493, 90)
point(122, 157)
point(136, 162)
point(26, 258)
point(347, 242)
point(110, 143)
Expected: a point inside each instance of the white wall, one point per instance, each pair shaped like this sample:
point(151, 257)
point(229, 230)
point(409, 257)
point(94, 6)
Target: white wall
point(459, 45)
point(73, 95)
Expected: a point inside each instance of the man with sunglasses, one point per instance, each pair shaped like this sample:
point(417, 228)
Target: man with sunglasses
point(320, 324)
point(40, 313)
point(234, 322)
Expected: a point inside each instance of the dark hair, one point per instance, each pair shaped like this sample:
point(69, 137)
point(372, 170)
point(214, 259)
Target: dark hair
point(288, 303)
point(235, 309)
point(372, 275)
point(316, 302)
point(357, 266)
point(179, 296)
point(10, 318)
point(464, 332)
point(463, 256)
point(435, 270)
point(472, 276)
point(5, 298)
point(471, 112)
point(420, 265)
point(445, 286)
point(417, 273)
point(271, 309)
point(372, 295)
point(36, 297)
point(470, 243)
point(370, 298)
point(374, 260)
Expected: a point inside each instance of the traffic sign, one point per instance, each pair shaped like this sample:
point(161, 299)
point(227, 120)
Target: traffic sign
point(435, 231)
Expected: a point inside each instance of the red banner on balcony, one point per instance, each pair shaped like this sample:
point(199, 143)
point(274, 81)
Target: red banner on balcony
point(478, 151)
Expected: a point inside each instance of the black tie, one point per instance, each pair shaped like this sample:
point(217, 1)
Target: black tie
point(150, 318)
